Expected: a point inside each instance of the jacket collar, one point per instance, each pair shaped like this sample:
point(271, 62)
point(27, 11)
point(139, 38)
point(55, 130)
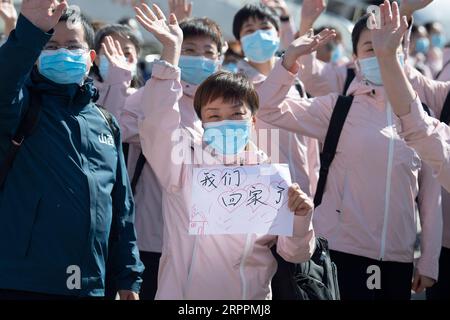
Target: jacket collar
point(77, 96)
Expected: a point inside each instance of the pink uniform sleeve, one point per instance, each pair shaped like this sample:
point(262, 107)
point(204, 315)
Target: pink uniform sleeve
point(308, 117)
point(115, 90)
point(431, 140)
point(161, 120)
point(130, 116)
point(430, 212)
point(301, 246)
point(321, 78)
point(432, 93)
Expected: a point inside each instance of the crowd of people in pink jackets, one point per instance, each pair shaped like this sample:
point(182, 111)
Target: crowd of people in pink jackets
point(387, 195)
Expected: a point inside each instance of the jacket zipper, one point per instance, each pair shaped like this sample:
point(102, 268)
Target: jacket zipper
point(388, 179)
point(247, 249)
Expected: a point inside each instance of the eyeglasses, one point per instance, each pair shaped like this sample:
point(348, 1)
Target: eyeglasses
point(192, 52)
point(71, 47)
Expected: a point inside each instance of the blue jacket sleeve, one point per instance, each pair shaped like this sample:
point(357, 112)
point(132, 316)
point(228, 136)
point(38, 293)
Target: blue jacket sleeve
point(17, 58)
point(127, 266)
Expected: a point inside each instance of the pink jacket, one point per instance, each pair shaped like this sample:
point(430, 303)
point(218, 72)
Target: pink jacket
point(433, 93)
point(301, 153)
point(114, 90)
point(322, 78)
point(368, 207)
point(204, 267)
point(431, 139)
point(149, 219)
point(444, 74)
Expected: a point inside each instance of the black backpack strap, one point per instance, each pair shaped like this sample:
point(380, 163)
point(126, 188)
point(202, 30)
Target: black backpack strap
point(109, 118)
point(138, 171)
point(24, 130)
point(426, 109)
point(349, 79)
point(445, 114)
point(337, 121)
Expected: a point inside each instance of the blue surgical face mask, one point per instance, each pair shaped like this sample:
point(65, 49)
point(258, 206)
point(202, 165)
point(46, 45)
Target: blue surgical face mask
point(104, 66)
point(261, 45)
point(231, 67)
point(370, 69)
point(438, 40)
point(195, 70)
point(64, 66)
point(228, 137)
point(422, 45)
point(337, 53)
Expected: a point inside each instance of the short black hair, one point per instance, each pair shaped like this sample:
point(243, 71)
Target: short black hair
point(203, 27)
point(360, 26)
point(256, 11)
point(89, 34)
point(123, 31)
point(231, 87)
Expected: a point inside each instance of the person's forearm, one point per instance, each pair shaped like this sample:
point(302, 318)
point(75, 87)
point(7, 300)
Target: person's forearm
point(397, 86)
point(171, 54)
point(10, 25)
point(305, 26)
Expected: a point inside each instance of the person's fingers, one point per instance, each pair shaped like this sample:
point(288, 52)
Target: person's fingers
point(159, 14)
point(298, 201)
point(189, 8)
point(382, 17)
point(59, 11)
point(145, 23)
point(106, 51)
point(388, 12)
point(395, 15)
point(148, 12)
point(404, 26)
point(173, 20)
point(119, 48)
point(112, 46)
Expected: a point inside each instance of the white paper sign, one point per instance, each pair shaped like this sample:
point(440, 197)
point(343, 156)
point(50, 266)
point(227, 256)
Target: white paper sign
point(241, 200)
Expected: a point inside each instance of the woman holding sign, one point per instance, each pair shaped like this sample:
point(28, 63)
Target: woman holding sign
point(368, 210)
point(223, 266)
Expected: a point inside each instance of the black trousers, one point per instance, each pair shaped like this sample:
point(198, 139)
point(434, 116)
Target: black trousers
point(354, 272)
point(13, 295)
point(150, 276)
point(441, 290)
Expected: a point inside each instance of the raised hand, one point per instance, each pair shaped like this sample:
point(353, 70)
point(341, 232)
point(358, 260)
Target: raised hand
point(298, 201)
point(114, 53)
point(7, 10)
point(44, 14)
point(408, 7)
point(182, 9)
point(305, 45)
point(311, 11)
point(277, 5)
point(8, 14)
point(387, 37)
point(168, 34)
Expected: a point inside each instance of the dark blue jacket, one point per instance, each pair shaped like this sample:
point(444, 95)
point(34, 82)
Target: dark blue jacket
point(67, 183)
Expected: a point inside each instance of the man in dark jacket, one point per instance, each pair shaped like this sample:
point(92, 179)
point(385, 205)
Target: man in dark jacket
point(66, 205)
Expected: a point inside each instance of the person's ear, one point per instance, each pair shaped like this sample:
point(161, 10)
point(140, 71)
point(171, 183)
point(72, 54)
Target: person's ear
point(93, 56)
